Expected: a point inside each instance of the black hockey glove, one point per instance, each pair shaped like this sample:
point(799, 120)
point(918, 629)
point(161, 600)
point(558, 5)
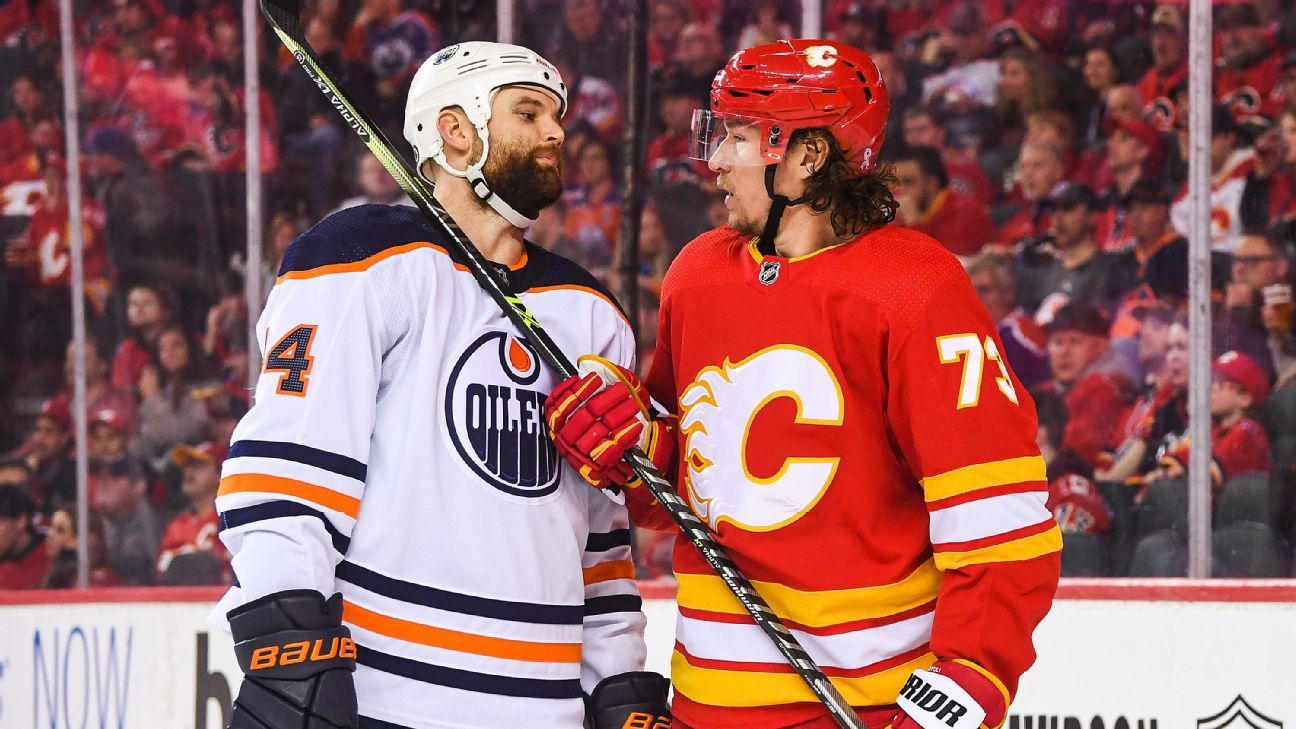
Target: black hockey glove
point(634, 700)
point(297, 660)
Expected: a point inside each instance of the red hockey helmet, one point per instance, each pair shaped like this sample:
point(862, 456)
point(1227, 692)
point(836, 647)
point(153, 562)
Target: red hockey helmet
point(797, 84)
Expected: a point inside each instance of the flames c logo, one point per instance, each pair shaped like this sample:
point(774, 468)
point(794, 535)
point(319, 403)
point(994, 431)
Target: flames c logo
point(495, 417)
point(718, 409)
point(820, 56)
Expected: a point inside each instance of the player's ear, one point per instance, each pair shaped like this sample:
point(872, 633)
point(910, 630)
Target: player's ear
point(458, 133)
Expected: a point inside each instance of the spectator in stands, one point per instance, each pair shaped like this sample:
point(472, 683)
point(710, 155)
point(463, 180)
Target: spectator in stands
point(1168, 38)
point(1135, 151)
point(1161, 412)
point(765, 25)
point(921, 127)
point(655, 252)
point(928, 204)
point(100, 393)
point(196, 529)
point(1259, 262)
point(28, 104)
point(591, 100)
point(170, 412)
point(1094, 381)
point(1124, 100)
point(1100, 74)
point(1024, 341)
point(393, 40)
point(138, 228)
point(130, 523)
point(1077, 269)
point(1249, 68)
point(1026, 85)
point(1040, 173)
point(965, 79)
point(666, 18)
point(377, 186)
point(150, 308)
point(110, 434)
point(48, 454)
point(675, 104)
point(23, 559)
point(698, 56)
point(61, 546)
point(1238, 443)
point(591, 41)
point(593, 208)
point(1239, 200)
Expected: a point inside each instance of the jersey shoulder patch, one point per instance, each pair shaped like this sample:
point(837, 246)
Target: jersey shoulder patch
point(355, 234)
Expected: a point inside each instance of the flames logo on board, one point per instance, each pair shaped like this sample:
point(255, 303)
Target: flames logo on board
point(495, 416)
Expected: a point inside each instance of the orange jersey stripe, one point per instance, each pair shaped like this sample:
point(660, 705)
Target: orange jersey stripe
point(585, 289)
point(621, 569)
point(480, 645)
point(252, 483)
point(361, 265)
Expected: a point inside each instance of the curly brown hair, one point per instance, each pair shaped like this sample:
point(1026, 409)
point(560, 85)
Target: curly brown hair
point(856, 201)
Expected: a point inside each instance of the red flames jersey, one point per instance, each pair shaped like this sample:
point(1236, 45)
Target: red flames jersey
point(851, 432)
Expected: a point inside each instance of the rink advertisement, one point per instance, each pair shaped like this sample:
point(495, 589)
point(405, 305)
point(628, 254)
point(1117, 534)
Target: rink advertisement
point(1210, 659)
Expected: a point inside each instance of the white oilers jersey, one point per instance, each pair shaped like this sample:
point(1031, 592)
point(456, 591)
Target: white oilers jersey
point(396, 453)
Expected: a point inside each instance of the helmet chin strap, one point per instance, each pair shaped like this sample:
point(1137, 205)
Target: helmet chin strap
point(477, 181)
point(778, 204)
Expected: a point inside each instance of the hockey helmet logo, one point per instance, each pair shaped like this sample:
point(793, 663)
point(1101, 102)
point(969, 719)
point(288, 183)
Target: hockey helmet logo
point(820, 56)
point(495, 416)
point(445, 54)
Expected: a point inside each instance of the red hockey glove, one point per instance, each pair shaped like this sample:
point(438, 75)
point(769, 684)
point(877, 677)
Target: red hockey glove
point(949, 695)
point(598, 415)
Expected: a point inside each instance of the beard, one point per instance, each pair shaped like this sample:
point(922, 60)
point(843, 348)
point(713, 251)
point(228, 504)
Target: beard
point(514, 174)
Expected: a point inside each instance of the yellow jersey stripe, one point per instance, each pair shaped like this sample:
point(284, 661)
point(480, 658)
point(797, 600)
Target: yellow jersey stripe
point(983, 476)
point(816, 609)
point(1017, 550)
point(717, 687)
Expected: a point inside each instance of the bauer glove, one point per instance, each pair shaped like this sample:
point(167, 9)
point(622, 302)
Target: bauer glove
point(949, 695)
point(597, 415)
point(297, 660)
point(635, 700)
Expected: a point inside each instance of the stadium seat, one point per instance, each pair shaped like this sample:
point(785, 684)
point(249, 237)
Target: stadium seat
point(1084, 555)
point(1164, 506)
point(195, 568)
point(1247, 549)
point(1120, 540)
point(1161, 554)
point(1245, 498)
point(1280, 421)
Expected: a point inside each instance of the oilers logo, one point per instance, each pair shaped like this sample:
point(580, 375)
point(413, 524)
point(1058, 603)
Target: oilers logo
point(495, 416)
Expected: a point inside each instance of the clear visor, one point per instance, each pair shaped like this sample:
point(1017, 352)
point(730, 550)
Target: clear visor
point(726, 140)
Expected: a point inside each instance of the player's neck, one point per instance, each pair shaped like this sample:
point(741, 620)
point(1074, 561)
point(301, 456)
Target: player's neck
point(494, 236)
point(803, 232)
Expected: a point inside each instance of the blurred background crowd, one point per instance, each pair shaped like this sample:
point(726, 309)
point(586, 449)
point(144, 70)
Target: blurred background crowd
point(1043, 142)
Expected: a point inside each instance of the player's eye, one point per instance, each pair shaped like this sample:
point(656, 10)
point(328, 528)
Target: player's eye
point(528, 115)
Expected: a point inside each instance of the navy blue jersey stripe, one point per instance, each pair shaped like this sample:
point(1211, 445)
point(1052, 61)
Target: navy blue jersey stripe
point(484, 683)
point(521, 612)
point(603, 541)
point(297, 453)
point(278, 510)
point(613, 604)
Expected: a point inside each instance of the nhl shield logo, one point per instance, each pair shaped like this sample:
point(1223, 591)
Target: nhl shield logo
point(495, 416)
point(1239, 715)
point(769, 272)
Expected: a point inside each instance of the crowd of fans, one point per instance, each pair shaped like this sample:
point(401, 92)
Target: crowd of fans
point(1043, 142)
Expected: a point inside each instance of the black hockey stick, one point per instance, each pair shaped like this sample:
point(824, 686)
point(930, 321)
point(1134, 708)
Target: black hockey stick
point(283, 17)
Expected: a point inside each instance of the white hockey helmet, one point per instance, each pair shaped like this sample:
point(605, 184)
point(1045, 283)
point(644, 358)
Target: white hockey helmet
point(466, 75)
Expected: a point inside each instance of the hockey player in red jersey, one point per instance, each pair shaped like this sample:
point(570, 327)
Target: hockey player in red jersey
point(840, 415)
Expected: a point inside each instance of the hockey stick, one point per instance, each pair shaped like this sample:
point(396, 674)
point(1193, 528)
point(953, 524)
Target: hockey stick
point(283, 17)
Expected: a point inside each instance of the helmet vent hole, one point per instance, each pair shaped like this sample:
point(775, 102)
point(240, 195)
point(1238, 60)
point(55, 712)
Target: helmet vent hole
point(868, 94)
point(420, 127)
point(546, 75)
point(748, 67)
point(861, 77)
point(793, 80)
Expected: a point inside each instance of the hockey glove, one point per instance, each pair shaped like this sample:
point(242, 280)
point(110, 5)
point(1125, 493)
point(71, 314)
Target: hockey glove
point(634, 700)
point(598, 415)
point(949, 695)
point(297, 660)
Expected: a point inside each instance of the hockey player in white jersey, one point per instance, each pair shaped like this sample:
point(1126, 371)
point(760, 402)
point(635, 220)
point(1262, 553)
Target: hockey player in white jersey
point(409, 549)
